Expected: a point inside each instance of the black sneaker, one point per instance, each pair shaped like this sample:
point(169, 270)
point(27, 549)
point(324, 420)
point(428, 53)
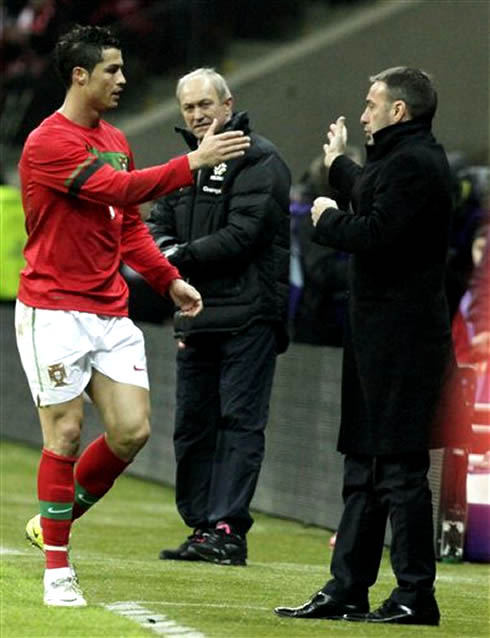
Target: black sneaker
point(222, 546)
point(182, 552)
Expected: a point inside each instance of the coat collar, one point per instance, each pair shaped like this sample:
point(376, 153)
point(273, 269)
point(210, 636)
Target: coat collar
point(390, 136)
point(238, 122)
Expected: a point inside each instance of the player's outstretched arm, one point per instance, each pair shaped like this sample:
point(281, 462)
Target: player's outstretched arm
point(216, 148)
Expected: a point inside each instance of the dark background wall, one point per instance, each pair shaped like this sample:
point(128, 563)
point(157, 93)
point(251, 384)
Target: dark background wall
point(295, 93)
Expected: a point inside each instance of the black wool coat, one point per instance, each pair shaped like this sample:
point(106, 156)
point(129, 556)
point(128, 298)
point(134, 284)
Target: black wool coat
point(398, 345)
point(231, 236)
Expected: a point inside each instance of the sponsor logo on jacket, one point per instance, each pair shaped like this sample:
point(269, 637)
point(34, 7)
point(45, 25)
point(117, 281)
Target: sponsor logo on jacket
point(219, 172)
point(210, 189)
point(217, 176)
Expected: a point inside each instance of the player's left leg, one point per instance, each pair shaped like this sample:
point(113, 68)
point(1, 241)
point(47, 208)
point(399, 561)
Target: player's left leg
point(119, 389)
point(124, 410)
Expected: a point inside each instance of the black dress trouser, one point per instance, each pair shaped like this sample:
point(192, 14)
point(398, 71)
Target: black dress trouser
point(224, 383)
point(377, 488)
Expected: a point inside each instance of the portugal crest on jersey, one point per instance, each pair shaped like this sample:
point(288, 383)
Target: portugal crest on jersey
point(118, 160)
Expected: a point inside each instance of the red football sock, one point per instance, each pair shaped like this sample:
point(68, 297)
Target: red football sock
point(55, 489)
point(96, 470)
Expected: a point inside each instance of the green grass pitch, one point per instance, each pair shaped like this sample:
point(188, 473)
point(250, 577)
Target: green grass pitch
point(132, 594)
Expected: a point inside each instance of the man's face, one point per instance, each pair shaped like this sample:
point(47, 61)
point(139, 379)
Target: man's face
point(106, 82)
point(200, 105)
point(379, 111)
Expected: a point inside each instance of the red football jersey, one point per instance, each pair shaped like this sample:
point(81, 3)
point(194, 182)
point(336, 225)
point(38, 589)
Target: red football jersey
point(80, 194)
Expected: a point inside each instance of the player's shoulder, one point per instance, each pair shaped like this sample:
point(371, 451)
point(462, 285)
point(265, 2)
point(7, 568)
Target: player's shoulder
point(46, 139)
point(52, 132)
point(44, 129)
point(110, 130)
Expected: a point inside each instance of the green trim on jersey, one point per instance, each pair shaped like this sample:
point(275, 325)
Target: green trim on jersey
point(81, 174)
point(116, 159)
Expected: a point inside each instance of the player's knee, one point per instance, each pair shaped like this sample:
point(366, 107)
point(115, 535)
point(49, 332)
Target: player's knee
point(127, 440)
point(141, 434)
point(64, 439)
point(61, 426)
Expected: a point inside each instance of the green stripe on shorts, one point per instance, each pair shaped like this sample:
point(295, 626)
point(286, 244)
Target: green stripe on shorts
point(33, 325)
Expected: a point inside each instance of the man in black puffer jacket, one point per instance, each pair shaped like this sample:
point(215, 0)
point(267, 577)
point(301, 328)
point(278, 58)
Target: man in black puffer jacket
point(229, 235)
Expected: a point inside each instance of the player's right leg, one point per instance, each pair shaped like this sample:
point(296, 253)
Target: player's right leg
point(61, 425)
point(53, 355)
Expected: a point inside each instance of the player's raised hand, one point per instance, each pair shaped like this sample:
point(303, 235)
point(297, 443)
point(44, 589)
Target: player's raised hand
point(186, 297)
point(218, 147)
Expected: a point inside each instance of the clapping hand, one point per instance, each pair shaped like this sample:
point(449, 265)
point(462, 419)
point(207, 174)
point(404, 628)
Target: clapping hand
point(337, 141)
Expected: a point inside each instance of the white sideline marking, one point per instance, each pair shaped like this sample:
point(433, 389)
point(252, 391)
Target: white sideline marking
point(279, 566)
point(6, 551)
point(173, 603)
point(158, 623)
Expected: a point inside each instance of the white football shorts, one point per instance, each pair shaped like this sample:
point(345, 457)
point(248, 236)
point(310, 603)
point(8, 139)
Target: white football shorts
point(59, 350)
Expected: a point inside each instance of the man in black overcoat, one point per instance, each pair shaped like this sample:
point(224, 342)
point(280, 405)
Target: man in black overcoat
point(397, 348)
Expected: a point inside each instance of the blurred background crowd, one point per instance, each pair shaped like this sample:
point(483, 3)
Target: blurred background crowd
point(160, 37)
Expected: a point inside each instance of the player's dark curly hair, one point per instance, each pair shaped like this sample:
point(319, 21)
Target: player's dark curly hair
point(82, 46)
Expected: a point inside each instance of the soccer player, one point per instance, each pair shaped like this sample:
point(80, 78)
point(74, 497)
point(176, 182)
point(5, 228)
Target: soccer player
point(80, 195)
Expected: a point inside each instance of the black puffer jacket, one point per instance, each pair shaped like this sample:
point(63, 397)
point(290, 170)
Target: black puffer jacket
point(231, 237)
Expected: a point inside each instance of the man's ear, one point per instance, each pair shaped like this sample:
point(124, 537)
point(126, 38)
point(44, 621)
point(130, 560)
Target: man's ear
point(79, 76)
point(400, 111)
point(229, 103)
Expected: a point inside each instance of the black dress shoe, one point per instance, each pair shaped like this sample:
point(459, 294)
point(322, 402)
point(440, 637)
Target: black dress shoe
point(321, 605)
point(182, 551)
point(392, 612)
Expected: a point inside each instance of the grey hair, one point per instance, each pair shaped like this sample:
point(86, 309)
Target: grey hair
point(218, 81)
point(413, 86)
